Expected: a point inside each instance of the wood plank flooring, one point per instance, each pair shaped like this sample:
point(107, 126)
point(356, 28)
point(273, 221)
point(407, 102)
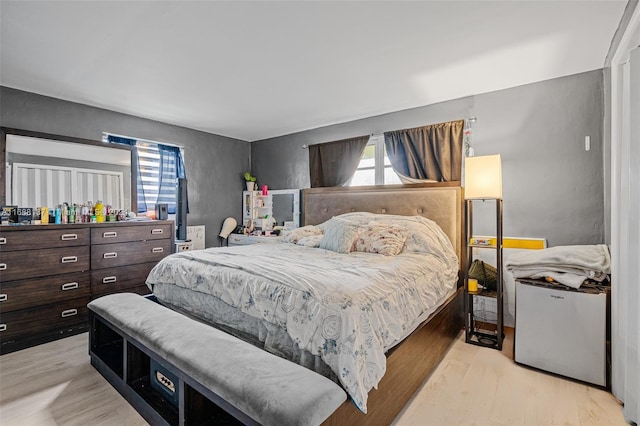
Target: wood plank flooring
point(54, 384)
point(480, 386)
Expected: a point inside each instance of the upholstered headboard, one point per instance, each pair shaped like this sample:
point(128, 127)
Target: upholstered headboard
point(440, 202)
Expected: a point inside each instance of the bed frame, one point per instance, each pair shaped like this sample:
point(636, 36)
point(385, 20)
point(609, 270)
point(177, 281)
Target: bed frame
point(410, 363)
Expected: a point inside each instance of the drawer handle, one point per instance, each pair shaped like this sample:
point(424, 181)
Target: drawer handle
point(67, 237)
point(3, 327)
point(69, 313)
point(110, 234)
point(156, 231)
point(157, 250)
point(3, 266)
point(69, 259)
point(110, 255)
point(3, 240)
point(69, 286)
point(3, 297)
point(111, 279)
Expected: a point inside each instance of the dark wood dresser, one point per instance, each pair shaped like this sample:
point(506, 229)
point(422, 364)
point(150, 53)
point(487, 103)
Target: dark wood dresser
point(48, 274)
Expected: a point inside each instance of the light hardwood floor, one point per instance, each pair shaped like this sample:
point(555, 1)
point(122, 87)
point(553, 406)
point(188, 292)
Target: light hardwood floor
point(54, 384)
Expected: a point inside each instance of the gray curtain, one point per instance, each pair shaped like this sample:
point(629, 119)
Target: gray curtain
point(431, 152)
point(333, 163)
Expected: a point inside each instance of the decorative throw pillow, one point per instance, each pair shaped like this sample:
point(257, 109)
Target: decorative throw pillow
point(386, 239)
point(311, 241)
point(339, 235)
point(300, 233)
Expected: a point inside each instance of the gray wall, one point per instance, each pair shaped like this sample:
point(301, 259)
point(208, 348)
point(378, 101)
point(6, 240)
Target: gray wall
point(552, 187)
point(214, 163)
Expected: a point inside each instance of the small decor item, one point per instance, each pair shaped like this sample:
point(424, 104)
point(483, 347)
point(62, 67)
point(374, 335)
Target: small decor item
point(25, 215)
point(472, 285)
point(265, 190)
point(44, 215)
point(100, 212)
point(486, 274)
point(251, 181)
point(9, 214)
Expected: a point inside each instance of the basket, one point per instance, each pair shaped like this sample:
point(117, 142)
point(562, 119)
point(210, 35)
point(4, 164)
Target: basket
point(486, 274)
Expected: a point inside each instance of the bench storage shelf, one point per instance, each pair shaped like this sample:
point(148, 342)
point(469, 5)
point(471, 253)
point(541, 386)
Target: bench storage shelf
point(177, 371)
point(126, 364)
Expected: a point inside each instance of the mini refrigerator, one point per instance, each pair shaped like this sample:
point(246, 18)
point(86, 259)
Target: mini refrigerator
point(562, 331)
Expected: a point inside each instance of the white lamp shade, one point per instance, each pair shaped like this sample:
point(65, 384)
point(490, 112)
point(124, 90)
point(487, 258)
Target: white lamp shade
point(483, 177)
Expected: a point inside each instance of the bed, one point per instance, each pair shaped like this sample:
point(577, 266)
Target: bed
point(364, 320)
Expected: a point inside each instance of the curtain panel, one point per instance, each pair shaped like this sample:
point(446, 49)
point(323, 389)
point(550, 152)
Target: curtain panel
point(334, 163)
point(431, 152)
point(171, 169)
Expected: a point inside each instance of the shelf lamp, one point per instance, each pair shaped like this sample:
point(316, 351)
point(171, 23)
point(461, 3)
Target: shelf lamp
point(483, 177)
point(483, 181)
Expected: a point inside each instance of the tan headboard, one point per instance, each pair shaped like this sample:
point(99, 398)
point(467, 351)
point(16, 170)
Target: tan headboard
point(441, 202)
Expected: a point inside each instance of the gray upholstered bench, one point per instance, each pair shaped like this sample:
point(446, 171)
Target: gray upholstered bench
point(255, 386)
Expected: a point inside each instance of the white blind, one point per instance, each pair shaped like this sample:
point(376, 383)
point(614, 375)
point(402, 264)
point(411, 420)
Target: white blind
point(157, 175)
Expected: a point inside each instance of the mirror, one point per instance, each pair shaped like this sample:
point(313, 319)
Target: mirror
point(47, 170)
point(286, 206)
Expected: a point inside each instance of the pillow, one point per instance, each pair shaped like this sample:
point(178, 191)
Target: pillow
point(339, 235)
point(386, 239)
point(300, 233)
point(310, 241)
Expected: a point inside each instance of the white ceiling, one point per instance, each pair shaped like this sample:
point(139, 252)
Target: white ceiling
point(254, 70)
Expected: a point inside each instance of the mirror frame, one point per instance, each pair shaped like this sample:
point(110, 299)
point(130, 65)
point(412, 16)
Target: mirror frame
point(296, 202)
point(4, 131)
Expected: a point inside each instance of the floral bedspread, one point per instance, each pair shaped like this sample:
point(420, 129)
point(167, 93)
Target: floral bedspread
point(346, 308)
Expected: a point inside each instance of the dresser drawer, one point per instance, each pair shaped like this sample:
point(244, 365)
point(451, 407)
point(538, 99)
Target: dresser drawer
point(27, 322)
point(28, 239)
point(114, 280)
point(17, 265)
point(119, 234)
point(43, 291)
point(121, 254)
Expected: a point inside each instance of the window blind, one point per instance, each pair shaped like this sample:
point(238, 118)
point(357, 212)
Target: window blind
point(159, 167)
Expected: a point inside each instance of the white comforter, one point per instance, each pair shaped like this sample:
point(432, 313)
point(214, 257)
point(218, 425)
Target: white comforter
point(347, 308)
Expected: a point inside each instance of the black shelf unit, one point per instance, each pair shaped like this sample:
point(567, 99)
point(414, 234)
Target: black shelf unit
point(478, 332)
point(126, 364)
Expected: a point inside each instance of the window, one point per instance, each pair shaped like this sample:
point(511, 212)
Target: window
point(374, 167)
point(159, 167)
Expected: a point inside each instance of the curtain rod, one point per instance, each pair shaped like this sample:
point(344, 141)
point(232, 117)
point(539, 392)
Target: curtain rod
point(468, 120)
point(305, 146)
point(144, 140)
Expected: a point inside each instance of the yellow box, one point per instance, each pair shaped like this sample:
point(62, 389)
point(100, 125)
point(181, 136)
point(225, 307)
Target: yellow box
point(44, 215)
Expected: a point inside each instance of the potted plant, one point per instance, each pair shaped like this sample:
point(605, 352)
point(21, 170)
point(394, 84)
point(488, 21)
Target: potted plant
point(251, 181)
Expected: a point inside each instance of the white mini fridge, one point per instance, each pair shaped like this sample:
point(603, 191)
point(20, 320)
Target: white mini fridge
point(562, 331)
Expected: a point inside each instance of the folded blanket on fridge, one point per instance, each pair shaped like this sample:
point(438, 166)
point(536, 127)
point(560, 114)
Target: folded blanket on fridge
point(568, 265)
